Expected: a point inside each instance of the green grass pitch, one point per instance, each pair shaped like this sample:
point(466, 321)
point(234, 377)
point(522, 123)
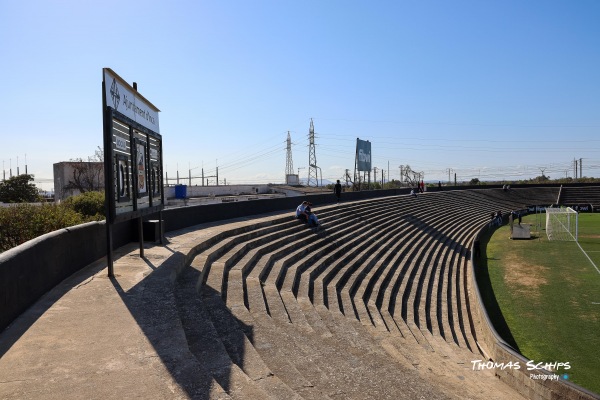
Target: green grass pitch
point(544, 297)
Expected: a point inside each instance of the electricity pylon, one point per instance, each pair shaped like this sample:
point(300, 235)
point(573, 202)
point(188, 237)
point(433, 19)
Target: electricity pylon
point(289, 164)
point(312, 158)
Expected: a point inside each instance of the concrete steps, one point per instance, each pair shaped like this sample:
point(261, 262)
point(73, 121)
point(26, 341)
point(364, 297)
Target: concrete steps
point(379, 291)
point(217, 341)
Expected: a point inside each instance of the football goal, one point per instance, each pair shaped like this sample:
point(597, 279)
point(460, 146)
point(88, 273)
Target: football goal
point(561, 223)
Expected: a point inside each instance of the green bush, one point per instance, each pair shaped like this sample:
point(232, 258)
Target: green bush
point(24, 222)
point(88, 204)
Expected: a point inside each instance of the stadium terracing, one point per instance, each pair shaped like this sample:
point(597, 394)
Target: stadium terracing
point(381, 303)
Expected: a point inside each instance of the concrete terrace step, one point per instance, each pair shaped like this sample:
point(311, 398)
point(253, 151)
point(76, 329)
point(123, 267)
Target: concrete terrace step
point(344, 371)
point(207, 345)
point(275, 270)
point(260, 271)
point(276, 276)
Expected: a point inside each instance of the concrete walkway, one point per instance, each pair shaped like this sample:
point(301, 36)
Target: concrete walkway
point(97, 338)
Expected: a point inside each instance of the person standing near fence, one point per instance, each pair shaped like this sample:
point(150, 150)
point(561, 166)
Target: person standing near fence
point(337, 189)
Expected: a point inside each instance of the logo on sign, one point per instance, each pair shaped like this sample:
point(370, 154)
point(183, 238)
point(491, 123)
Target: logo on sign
point(364, 157)
point(114, 93)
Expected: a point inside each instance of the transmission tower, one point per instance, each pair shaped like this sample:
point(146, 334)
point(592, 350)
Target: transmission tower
point(312, 158)
point(289, 164)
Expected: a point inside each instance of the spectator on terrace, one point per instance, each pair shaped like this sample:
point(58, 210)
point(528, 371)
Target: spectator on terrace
point(422, 187)
point(440, 185)
point(499, 218)
point(312, 218)
point(301, 213)
point(493, 219)
point(337, 189)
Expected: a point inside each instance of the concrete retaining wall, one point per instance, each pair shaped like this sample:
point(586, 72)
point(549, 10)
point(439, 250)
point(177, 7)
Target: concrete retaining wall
point(227, 190)
point(33, 268)
point(178, 218)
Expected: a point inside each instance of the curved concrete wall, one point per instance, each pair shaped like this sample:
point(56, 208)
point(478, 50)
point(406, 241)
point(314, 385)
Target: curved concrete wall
point(178, 218)
point(33, 268)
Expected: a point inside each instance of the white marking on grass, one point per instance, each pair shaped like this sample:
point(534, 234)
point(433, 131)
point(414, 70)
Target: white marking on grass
point(588, 257)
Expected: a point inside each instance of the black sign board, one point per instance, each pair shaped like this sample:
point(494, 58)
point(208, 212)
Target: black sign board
point(132, 154)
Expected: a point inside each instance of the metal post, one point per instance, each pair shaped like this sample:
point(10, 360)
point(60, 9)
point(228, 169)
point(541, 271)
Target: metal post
point(109, 246)
point(576, 226)
point(141, 236)
point(161, 226)
point(108, 181)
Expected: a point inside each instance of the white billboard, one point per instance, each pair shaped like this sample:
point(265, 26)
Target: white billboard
point(124, 99)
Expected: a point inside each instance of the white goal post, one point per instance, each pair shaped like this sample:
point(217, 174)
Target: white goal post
point(562, 223)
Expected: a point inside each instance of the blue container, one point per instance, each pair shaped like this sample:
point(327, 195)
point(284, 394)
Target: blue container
point(180, 191)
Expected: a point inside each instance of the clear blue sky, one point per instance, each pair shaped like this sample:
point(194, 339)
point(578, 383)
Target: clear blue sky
point(491, 89)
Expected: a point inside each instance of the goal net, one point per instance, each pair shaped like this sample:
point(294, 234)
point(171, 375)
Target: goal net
point(561, 224)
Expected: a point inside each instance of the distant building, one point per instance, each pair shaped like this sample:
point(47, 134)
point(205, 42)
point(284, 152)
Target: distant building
point(292, 179)
point(75, 177)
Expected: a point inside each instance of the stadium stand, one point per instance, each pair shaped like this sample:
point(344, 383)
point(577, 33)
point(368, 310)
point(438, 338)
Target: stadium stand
point(378, 304)
point(580, 195)
point(382, 286)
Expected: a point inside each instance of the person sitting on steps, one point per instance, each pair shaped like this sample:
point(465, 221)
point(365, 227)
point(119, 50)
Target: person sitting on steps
point(312, 218)
point(301, 213)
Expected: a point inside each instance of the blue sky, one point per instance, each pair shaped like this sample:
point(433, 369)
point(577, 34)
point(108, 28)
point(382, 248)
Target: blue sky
point(490, 89)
